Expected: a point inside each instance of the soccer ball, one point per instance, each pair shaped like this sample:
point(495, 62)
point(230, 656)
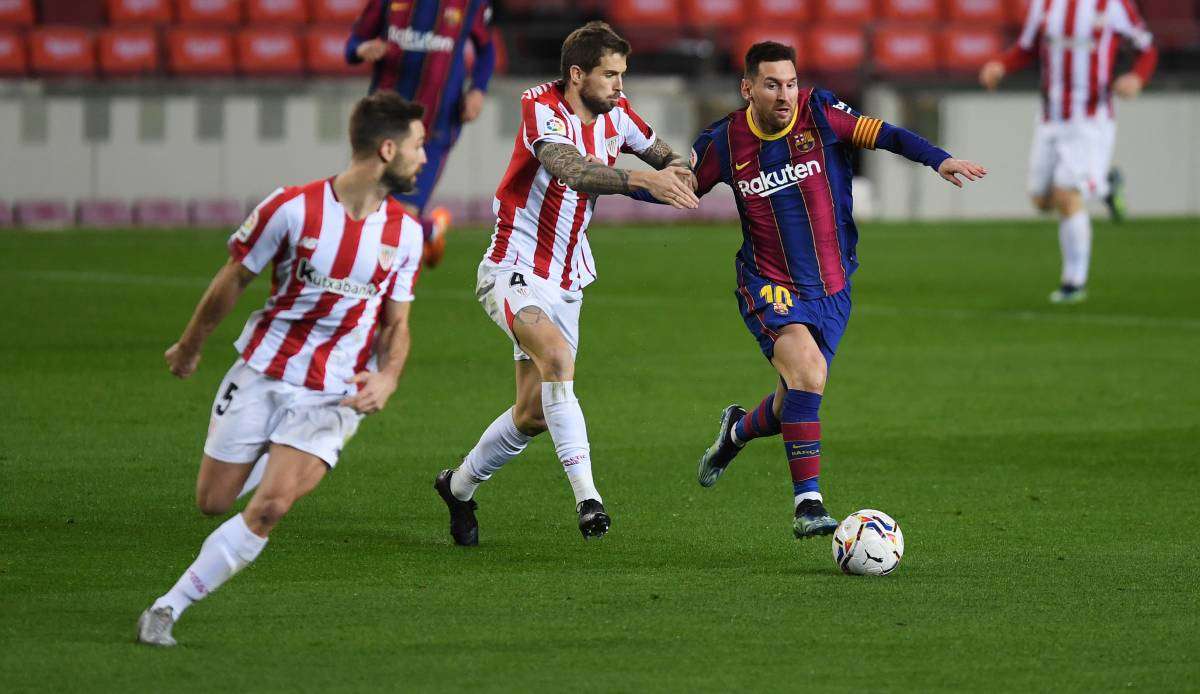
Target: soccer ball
point(868, 542)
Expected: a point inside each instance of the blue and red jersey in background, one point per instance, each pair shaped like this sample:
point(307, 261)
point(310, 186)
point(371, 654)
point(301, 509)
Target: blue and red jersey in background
point(793, 188)
point(425, 61)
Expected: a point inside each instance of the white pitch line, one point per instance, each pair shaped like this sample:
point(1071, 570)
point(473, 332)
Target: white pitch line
point(1108, 319)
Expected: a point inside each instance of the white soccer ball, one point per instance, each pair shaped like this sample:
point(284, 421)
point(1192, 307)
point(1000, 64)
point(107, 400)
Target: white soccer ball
point(868, 542)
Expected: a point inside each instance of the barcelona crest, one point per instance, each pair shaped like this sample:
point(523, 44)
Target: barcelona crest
point(805, 141)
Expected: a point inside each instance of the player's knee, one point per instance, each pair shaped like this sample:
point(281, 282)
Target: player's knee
point(211, 503)
point(268, 510)
point(557, 364)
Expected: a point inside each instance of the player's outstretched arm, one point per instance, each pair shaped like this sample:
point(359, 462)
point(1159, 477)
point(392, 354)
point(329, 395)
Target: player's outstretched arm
point(660, 155)
point(394, 341)
point(219, 299)
point(567, 164)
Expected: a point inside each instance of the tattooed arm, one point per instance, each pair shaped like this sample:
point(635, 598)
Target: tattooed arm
point(565, 163)
point(660, 155)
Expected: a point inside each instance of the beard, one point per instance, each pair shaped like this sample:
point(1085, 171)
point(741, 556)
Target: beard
point(396, 183)
point(594, 103)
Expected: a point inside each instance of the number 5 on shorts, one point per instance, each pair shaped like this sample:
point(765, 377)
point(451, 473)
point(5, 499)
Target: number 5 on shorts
point(226, 399)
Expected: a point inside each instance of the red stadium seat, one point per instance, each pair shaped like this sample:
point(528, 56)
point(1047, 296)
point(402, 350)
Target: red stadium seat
point(911, 10)
point(199, 52)
point(713, 14)
point(325, 52)
point(209, 12)
point(641, 14)
point(16, 12)
point(991, 12)
point(782, 33)
point(12, 54)
point(846, 11)
point(277, 11)
point(129, 51)
point(62, 50)
point(781, 10)
point(904, 50)
point(836, 48)
point(1016, 10)
point(336, 11)
point(139, 11)
point(268, 51)
point(966, 49)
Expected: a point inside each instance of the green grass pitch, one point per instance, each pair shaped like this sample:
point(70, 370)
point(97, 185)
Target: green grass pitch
point(1041, 460)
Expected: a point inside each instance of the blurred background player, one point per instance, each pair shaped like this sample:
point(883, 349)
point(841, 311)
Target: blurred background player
point(532, 276)
point(1075, 42)
point(327, 349)
point(787, 159)
point(418, 49)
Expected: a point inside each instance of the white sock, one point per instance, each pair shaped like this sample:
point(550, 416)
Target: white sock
point(564, 418)
point(501, 442)
point(1075, 240)
point(256, 475)
point(808, 495)
point(229, 549)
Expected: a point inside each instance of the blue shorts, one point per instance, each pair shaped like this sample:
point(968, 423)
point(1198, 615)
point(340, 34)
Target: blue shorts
point(826, 317)
point(436, 154)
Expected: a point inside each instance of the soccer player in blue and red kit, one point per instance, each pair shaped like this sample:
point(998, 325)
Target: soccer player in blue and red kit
point(786, 157)
point(418, 49)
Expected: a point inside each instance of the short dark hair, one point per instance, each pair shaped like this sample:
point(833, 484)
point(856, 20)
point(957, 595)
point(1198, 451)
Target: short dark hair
point(587, 45)
point(381, 116)
point(767, 52)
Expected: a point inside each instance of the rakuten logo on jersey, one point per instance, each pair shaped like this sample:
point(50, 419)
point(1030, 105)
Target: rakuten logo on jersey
point(423, 41)
point(347, 288)
point(768, 183)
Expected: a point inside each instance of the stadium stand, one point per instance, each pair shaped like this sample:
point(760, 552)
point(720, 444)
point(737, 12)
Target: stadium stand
point(13, 62)
point(335, 11)
point(901, 51)
point(989, 12)
point(209, 12)
point(129, 52)
point(139, 12)
point(836, 48)
point(6, 219)
point(16, 13)
point(268, 51)
point(846, 11)
point(325, 52)
point(964, 49)
point(910, 10)
point(200, 52)
point(62, 51)
point(781, 10)
point(277, 12)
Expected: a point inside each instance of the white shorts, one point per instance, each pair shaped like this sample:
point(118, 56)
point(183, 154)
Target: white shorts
point(505, 291)
point(1075, 155)
point(252, 411)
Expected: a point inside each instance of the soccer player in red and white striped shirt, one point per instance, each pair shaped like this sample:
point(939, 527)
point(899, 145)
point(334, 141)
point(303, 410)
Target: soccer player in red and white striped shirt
point(1075, 42)
point(532, 277)
point(326, 350)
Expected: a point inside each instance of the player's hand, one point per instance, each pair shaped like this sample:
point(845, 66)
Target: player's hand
point(689, 177)
point(374, 393)
point(373, 50)
point(952, 168)
point(991, 73)
point(181, 361)
point(671, 186)
point(472, 105)
point(1128, 85)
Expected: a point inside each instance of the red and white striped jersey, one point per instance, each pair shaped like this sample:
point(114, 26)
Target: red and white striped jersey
point(541, 224)
point(330, 278)
point(1076, 42)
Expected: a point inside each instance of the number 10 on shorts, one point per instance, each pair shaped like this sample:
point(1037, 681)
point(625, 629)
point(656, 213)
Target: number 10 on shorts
point(779, 297)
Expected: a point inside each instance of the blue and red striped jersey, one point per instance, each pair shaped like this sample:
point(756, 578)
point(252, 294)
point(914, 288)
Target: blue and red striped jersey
point(793, 187)
point(426, 60)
